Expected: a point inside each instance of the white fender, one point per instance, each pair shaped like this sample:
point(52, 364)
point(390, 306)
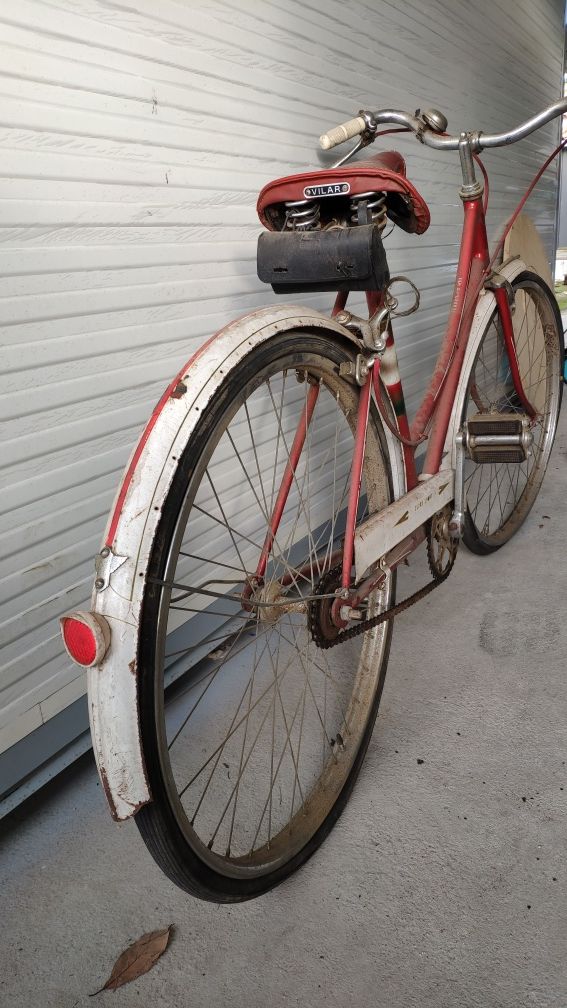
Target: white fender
point(113, 685)
point(484, 309)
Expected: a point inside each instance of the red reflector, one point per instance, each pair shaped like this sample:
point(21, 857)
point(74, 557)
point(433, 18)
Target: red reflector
point(86, 636)
point(80, 641)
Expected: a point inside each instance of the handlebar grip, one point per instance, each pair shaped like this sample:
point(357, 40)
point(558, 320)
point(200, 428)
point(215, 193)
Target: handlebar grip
point(338, 135)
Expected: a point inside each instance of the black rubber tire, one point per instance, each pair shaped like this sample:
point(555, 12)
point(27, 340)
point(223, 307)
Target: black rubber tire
point(473, 538)
point(157, 821)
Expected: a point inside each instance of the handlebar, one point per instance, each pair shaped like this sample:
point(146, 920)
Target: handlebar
point(346, 131)
point(529, 126)
point(367, 123)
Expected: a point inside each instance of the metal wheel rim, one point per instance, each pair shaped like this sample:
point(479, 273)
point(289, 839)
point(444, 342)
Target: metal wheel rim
point(529, 475)
point(374, 647)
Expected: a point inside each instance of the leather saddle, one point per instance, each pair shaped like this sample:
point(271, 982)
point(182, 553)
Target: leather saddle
point(384, 172)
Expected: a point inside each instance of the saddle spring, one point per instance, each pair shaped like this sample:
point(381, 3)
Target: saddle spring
point(305, 215)
point(302, 215)
point(376, 203)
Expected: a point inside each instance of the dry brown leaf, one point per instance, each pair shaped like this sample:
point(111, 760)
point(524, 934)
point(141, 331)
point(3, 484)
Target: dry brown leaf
point(138, 958)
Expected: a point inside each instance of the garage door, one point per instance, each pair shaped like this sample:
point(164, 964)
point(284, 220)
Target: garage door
point(135, 138)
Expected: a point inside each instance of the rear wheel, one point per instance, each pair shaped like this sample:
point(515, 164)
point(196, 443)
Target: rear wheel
point(264, 733)
point(500, 494)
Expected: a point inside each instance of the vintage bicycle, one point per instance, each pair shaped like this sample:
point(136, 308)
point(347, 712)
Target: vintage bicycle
point(249, 564)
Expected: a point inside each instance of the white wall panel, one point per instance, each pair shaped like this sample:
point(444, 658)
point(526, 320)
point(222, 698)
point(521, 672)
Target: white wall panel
point(135, 138)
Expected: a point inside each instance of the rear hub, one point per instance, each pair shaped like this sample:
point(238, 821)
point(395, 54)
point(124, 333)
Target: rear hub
point(322, 611)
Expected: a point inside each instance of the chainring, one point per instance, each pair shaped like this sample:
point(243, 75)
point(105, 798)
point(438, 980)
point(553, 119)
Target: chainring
point(441, 553)
point(441, 548)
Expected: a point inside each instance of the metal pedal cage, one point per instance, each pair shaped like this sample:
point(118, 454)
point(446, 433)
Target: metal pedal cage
point(484, 439)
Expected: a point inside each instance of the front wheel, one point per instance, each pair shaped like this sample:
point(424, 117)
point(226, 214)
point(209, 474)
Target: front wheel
point(255, 754)
point(500, 494)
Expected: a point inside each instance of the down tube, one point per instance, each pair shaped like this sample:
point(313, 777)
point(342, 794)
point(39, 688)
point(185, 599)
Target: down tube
point(440, 396)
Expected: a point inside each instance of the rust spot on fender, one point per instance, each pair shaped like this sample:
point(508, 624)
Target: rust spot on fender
point(108, 793)
point(132, 667)
point(403, 519)
point(179, 390)
point(136, 808)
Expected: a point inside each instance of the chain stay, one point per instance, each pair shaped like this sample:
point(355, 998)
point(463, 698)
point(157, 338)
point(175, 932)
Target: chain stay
point(394, 610)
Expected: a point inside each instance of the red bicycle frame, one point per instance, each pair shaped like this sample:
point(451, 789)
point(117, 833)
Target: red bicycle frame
point(433, 416)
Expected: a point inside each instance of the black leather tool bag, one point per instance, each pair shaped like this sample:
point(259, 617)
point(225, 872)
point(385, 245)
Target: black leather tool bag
point(345, 259)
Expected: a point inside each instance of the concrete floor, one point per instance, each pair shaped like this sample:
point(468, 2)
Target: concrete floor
point(445, 881)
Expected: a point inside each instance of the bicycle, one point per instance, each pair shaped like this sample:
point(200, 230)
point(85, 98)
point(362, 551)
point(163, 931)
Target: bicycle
point(249, 564)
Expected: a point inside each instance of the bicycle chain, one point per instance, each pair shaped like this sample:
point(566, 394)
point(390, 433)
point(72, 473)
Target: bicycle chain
point(383, 617)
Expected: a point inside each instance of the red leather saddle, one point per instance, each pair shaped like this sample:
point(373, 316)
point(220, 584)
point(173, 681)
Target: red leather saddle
point(384, 172)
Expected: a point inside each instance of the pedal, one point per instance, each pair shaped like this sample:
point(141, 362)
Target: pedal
point(497, 437)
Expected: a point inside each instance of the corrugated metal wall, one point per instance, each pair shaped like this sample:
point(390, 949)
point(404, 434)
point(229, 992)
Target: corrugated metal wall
point(135, 138)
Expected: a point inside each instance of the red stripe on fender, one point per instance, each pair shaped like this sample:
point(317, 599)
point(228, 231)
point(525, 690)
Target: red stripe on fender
point(148, 430)
point(142, 442)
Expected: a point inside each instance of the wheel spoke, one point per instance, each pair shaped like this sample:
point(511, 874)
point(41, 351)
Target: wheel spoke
point(209, 684)
point(234, 728)
point(499, 494)
point(252, 751)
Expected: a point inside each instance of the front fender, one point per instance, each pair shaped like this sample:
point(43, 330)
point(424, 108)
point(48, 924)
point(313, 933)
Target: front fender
point(113, 685)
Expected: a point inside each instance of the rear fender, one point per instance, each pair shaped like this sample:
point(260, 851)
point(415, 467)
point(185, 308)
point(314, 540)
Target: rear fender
point(113, 685)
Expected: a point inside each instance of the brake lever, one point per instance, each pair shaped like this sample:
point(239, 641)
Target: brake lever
point(364, 140)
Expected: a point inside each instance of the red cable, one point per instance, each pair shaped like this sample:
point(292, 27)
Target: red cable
point(522, 203)
point(486, 183)
point(397, 129)
point(383, 413)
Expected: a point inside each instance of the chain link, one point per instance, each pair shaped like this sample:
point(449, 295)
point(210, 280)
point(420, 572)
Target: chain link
point(394, 610)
